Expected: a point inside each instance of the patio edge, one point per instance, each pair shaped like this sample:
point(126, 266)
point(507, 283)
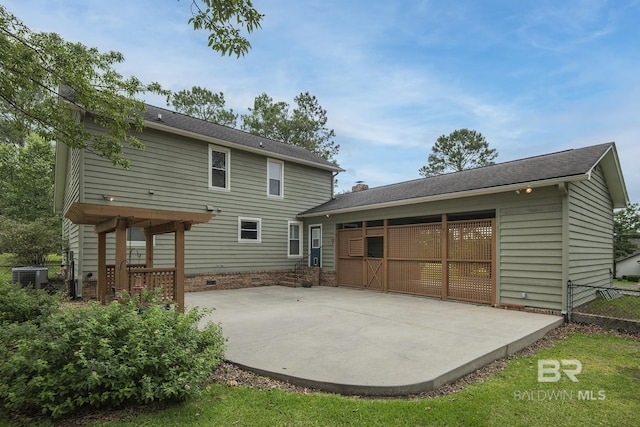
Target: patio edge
point(408, 389)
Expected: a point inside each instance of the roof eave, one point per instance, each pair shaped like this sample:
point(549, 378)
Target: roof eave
point(612, 170)
point(449, 196)
point(261, 151)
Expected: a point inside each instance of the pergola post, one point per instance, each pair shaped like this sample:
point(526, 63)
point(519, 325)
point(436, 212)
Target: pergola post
point(102, 268)
point(121, 276)
point(148, 247)
point(179, 265)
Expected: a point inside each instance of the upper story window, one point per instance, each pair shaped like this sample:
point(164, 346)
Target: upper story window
point(219, 160)
point(275, 178)
point(249, 230)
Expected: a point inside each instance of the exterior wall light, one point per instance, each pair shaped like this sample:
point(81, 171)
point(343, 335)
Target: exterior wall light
point(108, 198)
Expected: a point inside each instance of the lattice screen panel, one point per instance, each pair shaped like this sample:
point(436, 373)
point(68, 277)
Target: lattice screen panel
point(470, 281)
point(416, 277)
point(415, 241)
point(470, 240)
point(413, 257)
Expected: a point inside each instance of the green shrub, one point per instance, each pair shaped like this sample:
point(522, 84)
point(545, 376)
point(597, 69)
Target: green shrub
point(20, 304)
point(631, 278)
point(108, 356)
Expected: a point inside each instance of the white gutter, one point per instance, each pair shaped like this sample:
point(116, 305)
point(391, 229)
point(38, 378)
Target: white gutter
point(449, 196)
point(262, 151)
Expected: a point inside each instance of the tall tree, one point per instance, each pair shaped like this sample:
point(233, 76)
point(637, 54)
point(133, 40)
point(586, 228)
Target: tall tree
point(204, 104)
point(626, 230)
point(26, 188)
point(34, 65)
point(28, 227)
point(461, 149)
point(304, 125)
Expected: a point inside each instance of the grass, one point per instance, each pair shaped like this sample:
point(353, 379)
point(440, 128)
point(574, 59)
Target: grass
point(624, 283)
point(624, 307)
point(606, 394)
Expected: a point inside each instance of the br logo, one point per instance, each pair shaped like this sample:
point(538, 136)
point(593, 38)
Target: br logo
point(551, 370)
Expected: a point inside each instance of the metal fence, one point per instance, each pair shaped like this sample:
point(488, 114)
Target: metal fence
point(54, 279)
point(616, 307)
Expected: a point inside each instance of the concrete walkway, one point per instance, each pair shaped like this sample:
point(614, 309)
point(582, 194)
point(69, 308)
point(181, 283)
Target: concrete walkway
point(352, 341)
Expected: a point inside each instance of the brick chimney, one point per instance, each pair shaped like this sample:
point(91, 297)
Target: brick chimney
point(359, 187)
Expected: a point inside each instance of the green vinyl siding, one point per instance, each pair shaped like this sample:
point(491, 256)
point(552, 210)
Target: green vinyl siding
point(591, 232)
point(72, 233)
point(531, 255)
point(176, 170)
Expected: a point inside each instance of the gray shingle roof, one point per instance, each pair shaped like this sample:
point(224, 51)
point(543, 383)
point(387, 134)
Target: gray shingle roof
point(563, 164)
point(244, 139)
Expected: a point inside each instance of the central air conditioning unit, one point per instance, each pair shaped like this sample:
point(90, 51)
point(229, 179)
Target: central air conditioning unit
point(30, 276)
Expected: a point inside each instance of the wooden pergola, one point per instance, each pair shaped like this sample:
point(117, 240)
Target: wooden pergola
point(111, 218)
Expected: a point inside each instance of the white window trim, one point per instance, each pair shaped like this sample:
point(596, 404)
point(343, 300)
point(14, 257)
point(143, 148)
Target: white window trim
point(273, 196)
point(244, 218)
point(227, 152)
point(300, 238)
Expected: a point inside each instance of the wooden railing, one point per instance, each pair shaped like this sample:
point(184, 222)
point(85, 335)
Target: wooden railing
point(140, 277)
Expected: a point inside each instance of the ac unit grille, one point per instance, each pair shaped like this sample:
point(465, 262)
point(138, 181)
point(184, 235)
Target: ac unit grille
point(30, 276)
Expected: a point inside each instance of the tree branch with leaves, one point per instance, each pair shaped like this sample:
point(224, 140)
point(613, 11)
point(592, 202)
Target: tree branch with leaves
point(218, 18)
point(34, 66)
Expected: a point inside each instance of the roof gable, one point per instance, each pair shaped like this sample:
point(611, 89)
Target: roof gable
point(563, 166)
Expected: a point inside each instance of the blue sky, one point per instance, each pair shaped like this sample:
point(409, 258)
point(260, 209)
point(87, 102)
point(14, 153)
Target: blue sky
point(532, 76)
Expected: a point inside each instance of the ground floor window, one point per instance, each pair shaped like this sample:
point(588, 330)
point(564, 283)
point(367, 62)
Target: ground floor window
point(249, 230)
point(136, 237)
point(295, 239)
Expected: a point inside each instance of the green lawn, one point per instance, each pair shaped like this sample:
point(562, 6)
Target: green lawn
point(624, 307)
point(607, 393)
point(624, 284)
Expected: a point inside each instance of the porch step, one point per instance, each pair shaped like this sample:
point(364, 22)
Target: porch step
point(290, 280)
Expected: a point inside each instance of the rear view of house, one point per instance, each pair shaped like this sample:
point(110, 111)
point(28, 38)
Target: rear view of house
point(509, 235)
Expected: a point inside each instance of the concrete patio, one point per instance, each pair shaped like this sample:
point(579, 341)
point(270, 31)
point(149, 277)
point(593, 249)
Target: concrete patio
point(352, 341)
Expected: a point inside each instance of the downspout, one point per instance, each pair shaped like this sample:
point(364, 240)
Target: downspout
point(563, 188)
